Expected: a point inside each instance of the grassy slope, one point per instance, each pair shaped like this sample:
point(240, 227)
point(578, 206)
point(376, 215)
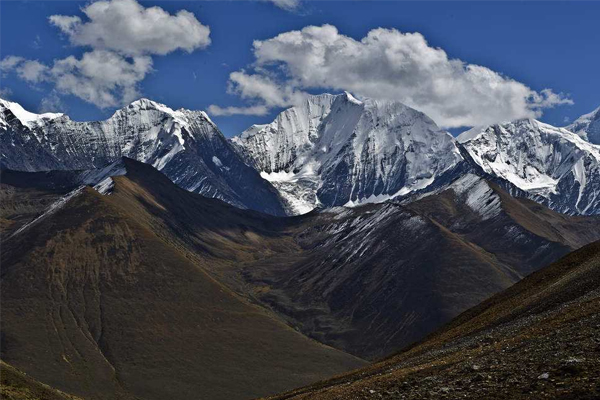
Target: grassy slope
point(107, 263)
point(16, 385)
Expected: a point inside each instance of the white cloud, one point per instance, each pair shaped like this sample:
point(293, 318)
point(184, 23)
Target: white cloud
point(52, 103)
point(126, 27)
point(5, 93)
point(123, 35)
point(251, 87)
point(289, 5)
point(226, 111)
point(9, 63)
point(386, 64)
point(101, 77)
point(265, 88)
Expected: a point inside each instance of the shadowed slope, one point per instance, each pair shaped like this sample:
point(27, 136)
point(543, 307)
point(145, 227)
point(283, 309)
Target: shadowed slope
point(136, 288)
point(16, 385)
point(102, 300)
point(537, 339)
point(376, 278)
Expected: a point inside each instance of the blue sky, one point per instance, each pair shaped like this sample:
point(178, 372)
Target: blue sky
point(539, 44)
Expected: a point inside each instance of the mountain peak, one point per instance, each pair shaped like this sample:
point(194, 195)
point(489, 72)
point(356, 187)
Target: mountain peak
point(180, 114)
point(351, 98)
point(540, 159)
point(146, 104)
point(587, 126)
point(335, 149)
point(27, 118)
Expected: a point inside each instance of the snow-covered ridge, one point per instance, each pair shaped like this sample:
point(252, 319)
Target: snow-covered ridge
point(182, 144)
point(587, 126)
point(335, 150)
point(478, 195)
point(542, 160)
point(27, 118)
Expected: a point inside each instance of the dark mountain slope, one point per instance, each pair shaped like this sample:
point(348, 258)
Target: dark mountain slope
point(374, 279)
point(101, 300)
point(16, 385)
point(537, 339)
point(128, 279)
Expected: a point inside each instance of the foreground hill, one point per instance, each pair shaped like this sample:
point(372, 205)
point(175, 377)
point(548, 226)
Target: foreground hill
point(537, 339)
point(104, 298)
point(16, 385)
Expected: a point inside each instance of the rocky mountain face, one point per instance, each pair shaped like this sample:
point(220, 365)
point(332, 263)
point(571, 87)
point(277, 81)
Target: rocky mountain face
point(185, 145)
point(334, 150)
point(393, 272)
point(549, 164)
point(587, 126)
point(537, 339)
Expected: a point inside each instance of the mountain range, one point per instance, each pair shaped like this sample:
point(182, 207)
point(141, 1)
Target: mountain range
point(332, 150)
point(147, 256)
point(185, 145)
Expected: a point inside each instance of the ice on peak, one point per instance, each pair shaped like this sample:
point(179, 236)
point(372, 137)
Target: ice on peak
point(351, 98)
point(27, 118)
point(587, 126)
point(540, 159)
point(337, 150)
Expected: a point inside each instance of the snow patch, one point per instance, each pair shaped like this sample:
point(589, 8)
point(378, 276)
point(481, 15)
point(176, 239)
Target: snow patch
point(217, 161)
point(53, 208)
point(478, 195)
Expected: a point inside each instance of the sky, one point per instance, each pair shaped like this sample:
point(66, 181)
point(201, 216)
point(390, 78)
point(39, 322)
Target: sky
point(462, 63)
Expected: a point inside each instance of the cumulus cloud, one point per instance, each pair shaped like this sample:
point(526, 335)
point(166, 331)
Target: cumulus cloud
point(101, 77)
point(387, 64)
point(258, 86)
point(128, 28)
point(122, 36)
point(267, 89)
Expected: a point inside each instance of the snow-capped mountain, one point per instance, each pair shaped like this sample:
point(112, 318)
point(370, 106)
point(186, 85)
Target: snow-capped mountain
point(336, 150)
point(185, 145)
point(587, 126)
point(552, 165)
